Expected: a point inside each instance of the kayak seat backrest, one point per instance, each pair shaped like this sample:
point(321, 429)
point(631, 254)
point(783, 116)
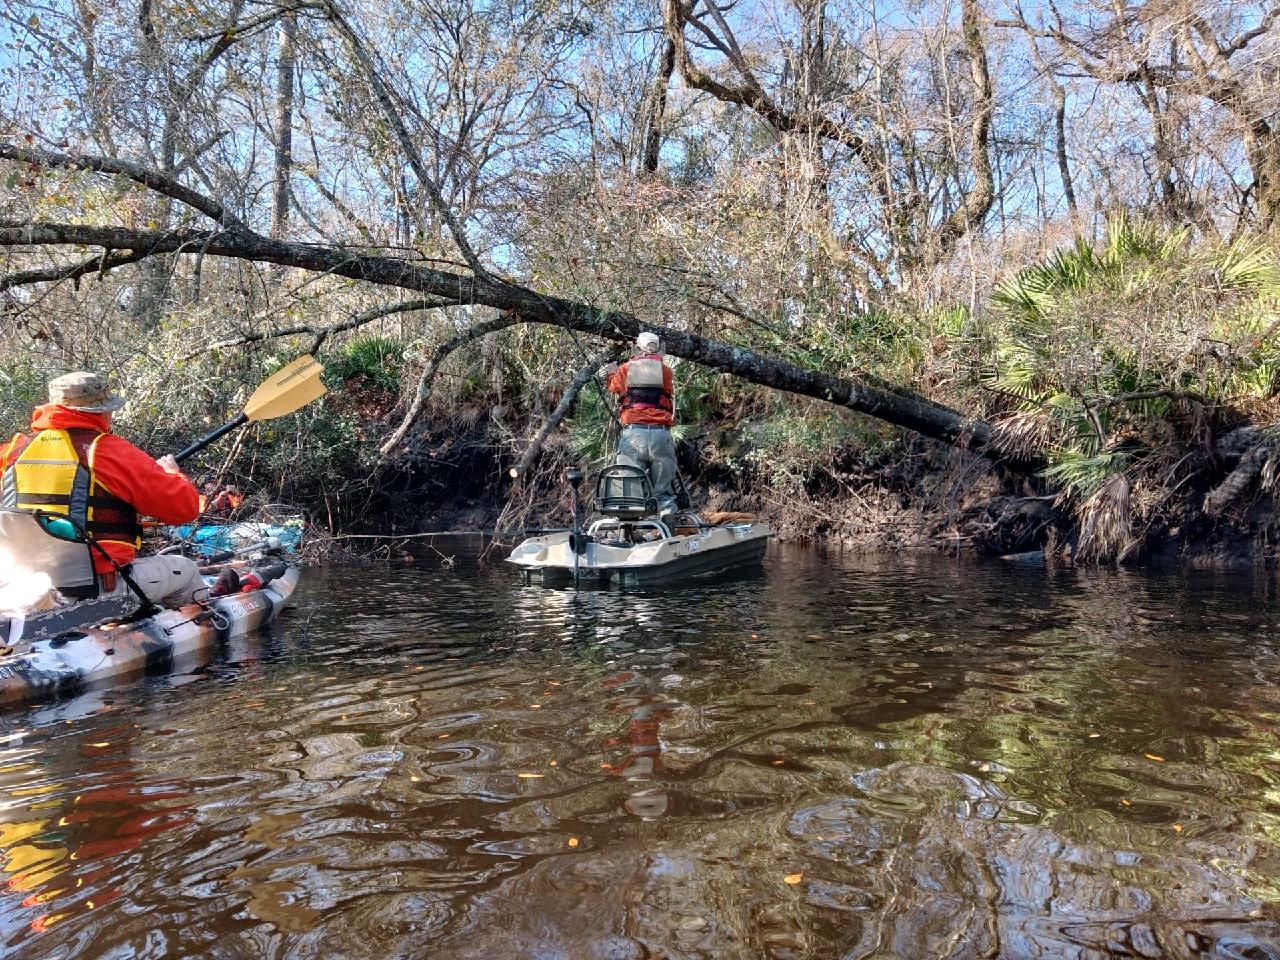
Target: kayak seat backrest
point(26, 548)
point(624, 491)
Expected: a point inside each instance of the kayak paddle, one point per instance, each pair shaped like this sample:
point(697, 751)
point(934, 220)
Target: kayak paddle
point(290, 388)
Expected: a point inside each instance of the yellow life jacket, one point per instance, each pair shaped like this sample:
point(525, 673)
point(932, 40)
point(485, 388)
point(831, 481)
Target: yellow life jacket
point(53, 471)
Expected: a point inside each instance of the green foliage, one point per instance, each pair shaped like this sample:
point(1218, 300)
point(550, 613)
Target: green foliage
point(1108, 334)
point(1123, 347)
point(798, 439)
point(698, 400)
point(369, 361)
point(22, 387)
point(1080, 474)
point(592, 431)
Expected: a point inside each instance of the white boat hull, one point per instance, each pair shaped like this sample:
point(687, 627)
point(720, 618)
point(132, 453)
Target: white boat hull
point(550, 558)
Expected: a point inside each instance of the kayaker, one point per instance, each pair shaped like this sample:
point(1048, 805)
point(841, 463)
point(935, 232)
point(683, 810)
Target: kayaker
point(73, 464)
point(647, 389)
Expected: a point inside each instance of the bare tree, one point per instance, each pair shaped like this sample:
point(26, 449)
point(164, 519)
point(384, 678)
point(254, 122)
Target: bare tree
point(1169, 55)
point(922, 211)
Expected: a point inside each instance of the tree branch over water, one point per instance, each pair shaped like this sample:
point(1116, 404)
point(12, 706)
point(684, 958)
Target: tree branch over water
point(139, 173)
point(899, 407)
point(322, 333)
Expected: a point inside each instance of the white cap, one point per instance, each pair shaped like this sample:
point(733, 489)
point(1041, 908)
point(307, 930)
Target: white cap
point(649, 342)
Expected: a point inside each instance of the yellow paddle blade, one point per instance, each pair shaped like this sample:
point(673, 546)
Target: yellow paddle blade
point(290, 388)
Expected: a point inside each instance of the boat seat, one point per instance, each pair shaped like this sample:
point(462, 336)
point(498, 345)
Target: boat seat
point(624, 491)
point(27, 545)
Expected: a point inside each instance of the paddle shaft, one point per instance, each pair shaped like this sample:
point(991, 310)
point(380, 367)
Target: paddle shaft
point(209, 438)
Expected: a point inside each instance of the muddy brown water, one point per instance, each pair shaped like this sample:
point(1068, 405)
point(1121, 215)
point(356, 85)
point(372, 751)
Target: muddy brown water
point(835, 757)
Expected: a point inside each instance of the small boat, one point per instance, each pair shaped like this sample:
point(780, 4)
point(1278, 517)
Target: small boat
point(45, 668)
point(629, 545)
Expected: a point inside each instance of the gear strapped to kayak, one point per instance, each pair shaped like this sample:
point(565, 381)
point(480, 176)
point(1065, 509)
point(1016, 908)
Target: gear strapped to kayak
point(37, 669)
point(57, 554)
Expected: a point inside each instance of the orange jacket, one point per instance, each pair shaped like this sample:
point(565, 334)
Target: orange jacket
point(124, 470)
point(618, 385)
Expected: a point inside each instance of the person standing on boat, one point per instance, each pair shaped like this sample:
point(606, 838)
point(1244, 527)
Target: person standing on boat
point(73, 464)
point(647, 389)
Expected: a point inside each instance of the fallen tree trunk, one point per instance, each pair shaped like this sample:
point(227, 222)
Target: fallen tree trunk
point(233, 238)
point(901, 407)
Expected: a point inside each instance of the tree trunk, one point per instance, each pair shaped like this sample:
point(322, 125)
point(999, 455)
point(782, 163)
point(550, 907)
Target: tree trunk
point(561, 411)
point(896, 406)
point(977, 201)
point(658, 109)
point(284, 126)
point(1064, 169)
point(1263, 150)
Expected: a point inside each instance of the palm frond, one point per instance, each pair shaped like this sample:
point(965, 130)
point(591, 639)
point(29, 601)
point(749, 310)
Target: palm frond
point(1081, 474)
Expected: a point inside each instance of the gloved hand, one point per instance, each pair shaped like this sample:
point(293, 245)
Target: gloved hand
point(610, 368)
point(168, 464)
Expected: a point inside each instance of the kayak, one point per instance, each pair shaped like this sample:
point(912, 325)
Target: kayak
point(43, 669)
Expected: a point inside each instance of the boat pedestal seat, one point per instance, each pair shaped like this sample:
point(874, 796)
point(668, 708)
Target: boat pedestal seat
point(624, 492)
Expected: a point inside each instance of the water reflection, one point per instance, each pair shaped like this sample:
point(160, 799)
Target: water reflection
point(839, 758)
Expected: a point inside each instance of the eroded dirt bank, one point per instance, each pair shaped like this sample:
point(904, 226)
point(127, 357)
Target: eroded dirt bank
point(917, 496)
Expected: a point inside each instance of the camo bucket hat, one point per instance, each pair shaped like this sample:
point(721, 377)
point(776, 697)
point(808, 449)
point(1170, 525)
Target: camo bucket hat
point(84, 391)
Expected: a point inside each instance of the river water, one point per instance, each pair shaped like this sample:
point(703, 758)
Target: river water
point(833, 757)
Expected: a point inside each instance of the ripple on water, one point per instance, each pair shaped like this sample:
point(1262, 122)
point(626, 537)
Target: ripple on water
point(844, 757)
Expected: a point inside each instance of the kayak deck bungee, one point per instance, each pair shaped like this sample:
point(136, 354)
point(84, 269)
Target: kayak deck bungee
point(49, 668)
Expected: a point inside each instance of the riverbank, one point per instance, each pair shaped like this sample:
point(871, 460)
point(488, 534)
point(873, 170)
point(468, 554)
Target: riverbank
point(899, 493)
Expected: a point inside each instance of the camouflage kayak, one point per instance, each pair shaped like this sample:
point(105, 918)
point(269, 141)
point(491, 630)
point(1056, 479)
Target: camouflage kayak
point(46, 668)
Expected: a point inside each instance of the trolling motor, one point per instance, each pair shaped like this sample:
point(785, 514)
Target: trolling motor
point(577, 542)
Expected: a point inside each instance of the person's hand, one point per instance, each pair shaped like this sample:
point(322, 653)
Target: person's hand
point(610, 368)
point(168, 464)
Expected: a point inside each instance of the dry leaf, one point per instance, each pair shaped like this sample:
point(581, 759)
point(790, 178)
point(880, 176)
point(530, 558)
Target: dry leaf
point(1177, 828)
point(1152, 756)
point(793, 878)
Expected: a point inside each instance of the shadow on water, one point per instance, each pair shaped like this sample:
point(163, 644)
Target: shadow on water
point(836, 757)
